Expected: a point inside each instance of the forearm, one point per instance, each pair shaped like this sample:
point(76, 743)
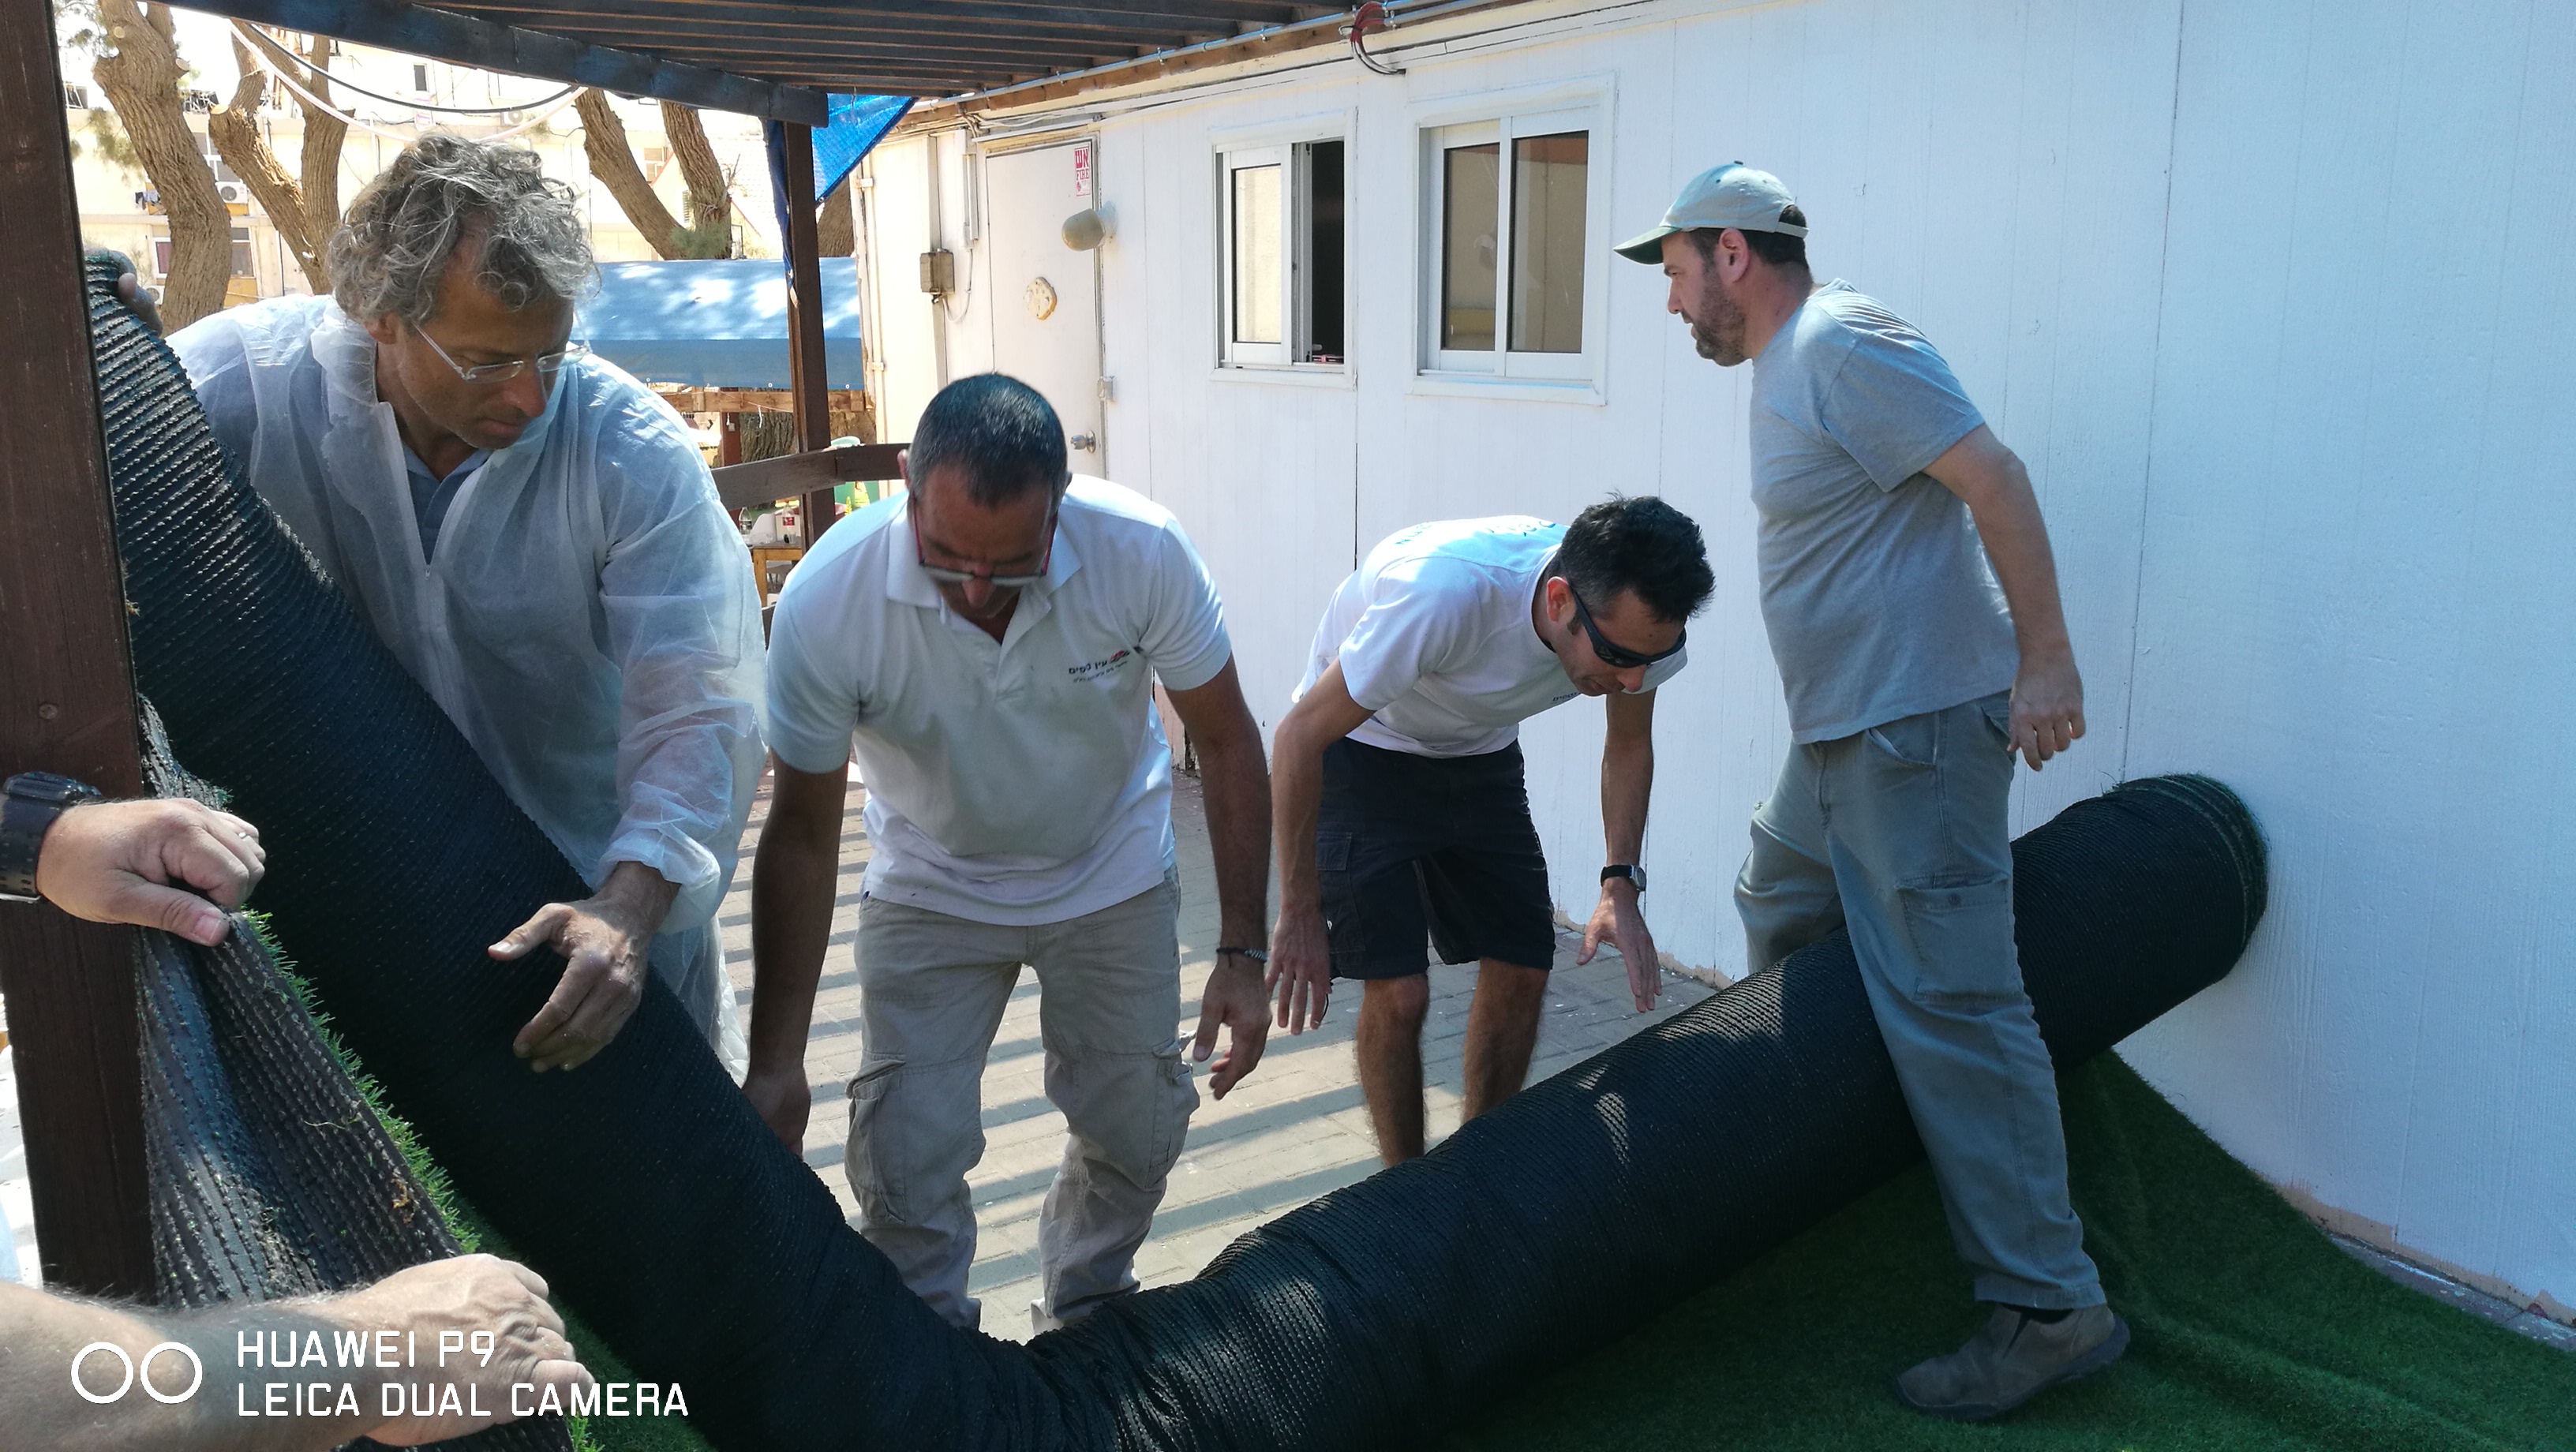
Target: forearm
point(1627, 782)
point(792, 881)
point(639, 895)
point(1296, 799)
point(1236, 796)
point(2016, 540)
point(41, 1334)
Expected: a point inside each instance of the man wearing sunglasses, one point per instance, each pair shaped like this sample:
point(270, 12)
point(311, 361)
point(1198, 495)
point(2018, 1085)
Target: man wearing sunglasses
point(1912, 605)
point(1397, 790)
point(535, 536)
point(989, 641)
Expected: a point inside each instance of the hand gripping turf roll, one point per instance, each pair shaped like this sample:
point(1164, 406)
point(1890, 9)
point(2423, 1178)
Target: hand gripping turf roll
point(644, 1188)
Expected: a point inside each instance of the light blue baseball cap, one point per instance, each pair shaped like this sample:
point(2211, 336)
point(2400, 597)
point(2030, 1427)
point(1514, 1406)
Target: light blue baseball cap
point(1733, 195)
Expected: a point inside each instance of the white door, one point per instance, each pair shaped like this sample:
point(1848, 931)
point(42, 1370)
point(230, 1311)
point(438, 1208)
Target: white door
point(1046, 303)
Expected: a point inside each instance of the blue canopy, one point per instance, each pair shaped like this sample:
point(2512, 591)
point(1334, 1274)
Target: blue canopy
point(717, 324)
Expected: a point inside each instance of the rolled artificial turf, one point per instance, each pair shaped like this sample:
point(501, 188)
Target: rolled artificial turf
point(2253, 1331)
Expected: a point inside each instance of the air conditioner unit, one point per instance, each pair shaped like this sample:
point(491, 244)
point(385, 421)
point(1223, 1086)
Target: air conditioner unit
point(233, 193)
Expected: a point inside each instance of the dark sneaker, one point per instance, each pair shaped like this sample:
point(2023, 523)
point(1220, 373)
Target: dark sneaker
point(2012, 1360)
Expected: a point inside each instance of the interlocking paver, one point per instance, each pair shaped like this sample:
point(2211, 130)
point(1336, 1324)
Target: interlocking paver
point(1294, 1130)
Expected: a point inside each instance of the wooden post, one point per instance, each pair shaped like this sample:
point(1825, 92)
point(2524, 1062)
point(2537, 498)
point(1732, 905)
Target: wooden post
point(805, 319)
point(66, 697)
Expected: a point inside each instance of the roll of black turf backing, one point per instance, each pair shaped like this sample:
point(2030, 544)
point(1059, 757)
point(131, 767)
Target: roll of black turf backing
point(646, 1190)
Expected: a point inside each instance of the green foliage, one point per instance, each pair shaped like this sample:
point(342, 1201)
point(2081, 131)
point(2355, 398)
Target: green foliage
point(712, 240)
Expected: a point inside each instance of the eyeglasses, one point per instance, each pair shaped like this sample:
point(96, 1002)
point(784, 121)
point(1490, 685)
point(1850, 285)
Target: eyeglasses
point(1619, 657)
point(948, 576)
point(547, 365)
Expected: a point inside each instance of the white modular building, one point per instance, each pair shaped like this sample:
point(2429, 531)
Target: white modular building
point(2274, 300)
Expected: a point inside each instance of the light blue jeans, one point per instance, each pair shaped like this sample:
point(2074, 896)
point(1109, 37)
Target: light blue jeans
point(1900, 833)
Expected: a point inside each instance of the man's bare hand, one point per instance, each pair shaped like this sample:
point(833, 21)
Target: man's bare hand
point(124, 862)
point(2047, 706)
point(129, 291)
point(1301, 969)
point(467, 1298)
point(1618, 922)
point(784, 1102)
point(1238, 999)
point(604, 940)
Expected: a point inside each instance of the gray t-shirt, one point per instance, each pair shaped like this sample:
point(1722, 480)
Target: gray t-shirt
point(1877, 594)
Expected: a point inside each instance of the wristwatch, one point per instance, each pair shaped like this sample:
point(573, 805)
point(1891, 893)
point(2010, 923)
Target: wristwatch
point(1255, 954)
point(1628, 870)
point(28, 806)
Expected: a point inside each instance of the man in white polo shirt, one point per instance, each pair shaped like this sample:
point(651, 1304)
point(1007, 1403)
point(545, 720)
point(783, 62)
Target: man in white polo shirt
point(1397, 782)
point(990, 640)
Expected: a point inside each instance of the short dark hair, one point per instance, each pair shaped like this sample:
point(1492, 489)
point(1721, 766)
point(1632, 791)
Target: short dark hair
point(1640, 544)
point(1776, 248)
point(1000, 434)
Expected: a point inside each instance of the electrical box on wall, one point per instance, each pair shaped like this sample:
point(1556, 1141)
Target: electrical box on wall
point(939, 272)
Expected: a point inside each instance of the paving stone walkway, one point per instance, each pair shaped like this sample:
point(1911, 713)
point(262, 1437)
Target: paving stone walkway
point(1291, 1132)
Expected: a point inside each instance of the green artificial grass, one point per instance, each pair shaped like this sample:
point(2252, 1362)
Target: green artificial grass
point(473, 1233)
point(2252, 1331)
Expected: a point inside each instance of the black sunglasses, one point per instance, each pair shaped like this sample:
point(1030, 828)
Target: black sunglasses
point(1619, 657)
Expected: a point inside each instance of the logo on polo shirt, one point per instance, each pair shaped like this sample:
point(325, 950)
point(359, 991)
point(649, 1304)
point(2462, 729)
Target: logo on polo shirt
point(1093, 670)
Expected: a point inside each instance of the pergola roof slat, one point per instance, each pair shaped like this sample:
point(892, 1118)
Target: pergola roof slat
point(777, 58)
point(466, 40)
point(691, 16)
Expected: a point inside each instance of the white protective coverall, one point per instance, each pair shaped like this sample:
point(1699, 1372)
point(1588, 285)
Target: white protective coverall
point(588, 623)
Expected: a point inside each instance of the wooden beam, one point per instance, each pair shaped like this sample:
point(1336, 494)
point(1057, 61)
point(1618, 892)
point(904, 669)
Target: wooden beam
point(1282, 40)
point(445, 35)
point(1070, 22)
point(791, 476)
point(980, 52)
point(748, 400)
point(805, 321)
point(66, 699)
point(962, 15)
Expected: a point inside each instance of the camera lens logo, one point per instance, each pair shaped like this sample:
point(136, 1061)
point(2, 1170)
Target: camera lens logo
point(196, 1373)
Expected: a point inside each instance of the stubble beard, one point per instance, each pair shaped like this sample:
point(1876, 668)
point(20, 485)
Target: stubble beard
point(1717, 326)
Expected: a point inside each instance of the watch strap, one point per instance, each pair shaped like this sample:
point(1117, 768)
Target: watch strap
point(28, 806)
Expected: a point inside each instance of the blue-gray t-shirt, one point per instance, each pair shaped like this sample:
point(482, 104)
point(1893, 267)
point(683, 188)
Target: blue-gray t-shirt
point(1876, 592)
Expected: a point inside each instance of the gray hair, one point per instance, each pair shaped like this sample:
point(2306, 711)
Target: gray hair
point(401, 232)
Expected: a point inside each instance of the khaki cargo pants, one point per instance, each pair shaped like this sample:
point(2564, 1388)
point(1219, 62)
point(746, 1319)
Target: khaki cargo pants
point(932, 991)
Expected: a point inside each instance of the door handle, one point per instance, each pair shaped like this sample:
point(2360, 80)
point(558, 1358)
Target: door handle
point(1083, 441)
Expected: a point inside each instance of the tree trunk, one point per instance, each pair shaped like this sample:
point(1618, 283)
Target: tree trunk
point(142, 83)
point(710, 191)
point(612, 160)
point(235, 129)
point(323, 133)
point(836, 232)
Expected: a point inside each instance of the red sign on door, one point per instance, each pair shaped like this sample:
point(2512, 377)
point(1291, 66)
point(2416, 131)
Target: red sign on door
point(1082, 170)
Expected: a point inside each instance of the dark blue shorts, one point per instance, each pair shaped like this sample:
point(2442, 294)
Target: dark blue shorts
point(1414, 847)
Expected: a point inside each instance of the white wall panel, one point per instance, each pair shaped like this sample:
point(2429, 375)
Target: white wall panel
point(2356, 606)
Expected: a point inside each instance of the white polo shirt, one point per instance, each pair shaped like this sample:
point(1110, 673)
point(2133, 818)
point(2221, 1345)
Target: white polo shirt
point(1434, 634)
point(1017, 781)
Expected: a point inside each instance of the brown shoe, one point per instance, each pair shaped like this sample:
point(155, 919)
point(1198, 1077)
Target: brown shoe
point(2011, 1360)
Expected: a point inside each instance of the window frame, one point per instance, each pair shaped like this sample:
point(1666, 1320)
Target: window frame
point(1290, 144)
point(1504, 118)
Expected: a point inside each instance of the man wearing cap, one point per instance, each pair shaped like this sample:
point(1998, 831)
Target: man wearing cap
point(1915, 663)
point(1396, 779)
